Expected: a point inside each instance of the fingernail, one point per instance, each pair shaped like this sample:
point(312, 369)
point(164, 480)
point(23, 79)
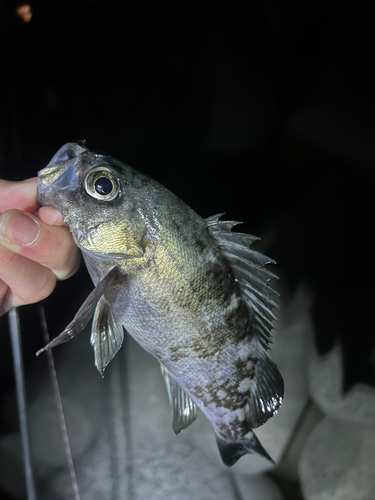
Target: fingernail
point(19, 227)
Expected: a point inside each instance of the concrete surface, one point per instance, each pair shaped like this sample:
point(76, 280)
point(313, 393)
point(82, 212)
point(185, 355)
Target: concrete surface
point(337, 462)
point(325, 382)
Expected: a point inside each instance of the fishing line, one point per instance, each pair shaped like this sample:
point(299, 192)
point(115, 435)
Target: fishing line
point(15, 336)
point(236, 489)
point(60, 410)
point(122, 453)
point(128, 433)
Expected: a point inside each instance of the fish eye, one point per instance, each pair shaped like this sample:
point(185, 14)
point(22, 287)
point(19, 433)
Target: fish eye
point(102, 184)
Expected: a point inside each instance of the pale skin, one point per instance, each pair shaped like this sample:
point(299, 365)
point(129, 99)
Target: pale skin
point(36, 249)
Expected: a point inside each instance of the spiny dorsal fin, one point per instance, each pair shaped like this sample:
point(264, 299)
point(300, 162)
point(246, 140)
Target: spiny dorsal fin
point(183, 407)
point(107, 335)
point(253, 277)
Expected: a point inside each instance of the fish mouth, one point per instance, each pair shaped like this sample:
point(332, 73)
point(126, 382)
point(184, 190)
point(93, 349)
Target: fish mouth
point(60, 174)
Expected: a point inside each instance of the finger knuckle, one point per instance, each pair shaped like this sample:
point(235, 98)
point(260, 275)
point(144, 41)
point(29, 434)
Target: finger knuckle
point(9, 260)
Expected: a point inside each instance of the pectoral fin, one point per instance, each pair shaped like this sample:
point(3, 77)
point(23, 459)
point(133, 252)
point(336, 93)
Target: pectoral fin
point(183, 407)
point(107, 335)
point(86, 310)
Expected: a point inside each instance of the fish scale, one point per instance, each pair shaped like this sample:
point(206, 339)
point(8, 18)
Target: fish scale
point(191, 291)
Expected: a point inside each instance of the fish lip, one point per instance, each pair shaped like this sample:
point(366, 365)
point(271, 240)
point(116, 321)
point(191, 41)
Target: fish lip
point(47, 194)
point(66, 153)
point(60, 173)
point(41, 193)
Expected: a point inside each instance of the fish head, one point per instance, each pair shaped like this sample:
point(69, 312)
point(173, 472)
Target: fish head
point(95, 196)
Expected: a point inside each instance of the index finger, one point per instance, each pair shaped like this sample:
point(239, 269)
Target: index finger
point(20, 195)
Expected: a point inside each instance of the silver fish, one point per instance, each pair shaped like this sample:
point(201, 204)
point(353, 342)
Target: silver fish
point(189, 290)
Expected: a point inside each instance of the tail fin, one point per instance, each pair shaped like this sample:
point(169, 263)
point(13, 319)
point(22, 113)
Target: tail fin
point(231, 451)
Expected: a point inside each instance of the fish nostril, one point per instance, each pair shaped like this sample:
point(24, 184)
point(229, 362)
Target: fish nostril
point(66, 154)
point(71, 153)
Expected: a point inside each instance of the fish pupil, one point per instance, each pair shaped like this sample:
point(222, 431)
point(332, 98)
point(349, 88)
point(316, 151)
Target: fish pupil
point(103, 186)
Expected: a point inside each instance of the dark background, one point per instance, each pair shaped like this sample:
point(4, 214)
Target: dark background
point(265, 113)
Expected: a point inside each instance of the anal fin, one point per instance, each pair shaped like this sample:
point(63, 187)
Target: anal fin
point(184, 409)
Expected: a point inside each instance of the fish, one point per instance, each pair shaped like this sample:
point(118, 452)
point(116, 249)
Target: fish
point(191, 291)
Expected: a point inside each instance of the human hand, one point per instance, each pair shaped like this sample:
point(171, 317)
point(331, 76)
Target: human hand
point(35, 249)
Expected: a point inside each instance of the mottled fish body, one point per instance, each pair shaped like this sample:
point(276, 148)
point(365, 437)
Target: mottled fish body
point(190, 291)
